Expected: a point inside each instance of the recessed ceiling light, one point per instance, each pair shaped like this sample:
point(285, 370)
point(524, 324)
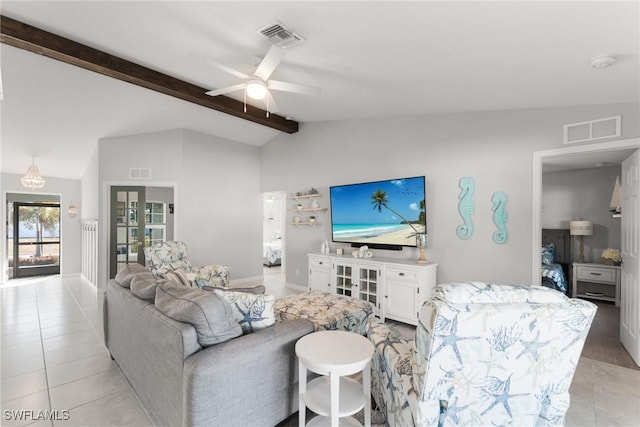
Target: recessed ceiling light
point(603, 61)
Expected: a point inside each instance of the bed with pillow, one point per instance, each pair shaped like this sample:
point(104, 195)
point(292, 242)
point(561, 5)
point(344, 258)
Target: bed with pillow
point(556, 259)
point(272, 253)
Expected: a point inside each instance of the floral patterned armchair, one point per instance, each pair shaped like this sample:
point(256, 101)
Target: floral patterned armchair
point(483, 355)
point(164, 257)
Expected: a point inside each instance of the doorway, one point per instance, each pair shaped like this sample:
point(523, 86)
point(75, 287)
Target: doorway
point(33, 235)
point(608, 322)
point(273, 236)
point(140, 216)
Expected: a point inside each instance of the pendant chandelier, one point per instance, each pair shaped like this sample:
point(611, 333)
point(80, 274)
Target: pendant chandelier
point(33, 180)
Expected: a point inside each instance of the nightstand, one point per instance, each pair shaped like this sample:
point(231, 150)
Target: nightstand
point(596, 281)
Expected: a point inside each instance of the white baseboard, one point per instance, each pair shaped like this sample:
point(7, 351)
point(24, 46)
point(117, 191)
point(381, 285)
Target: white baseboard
point(71, 275)
point(296, 287)
point(246, 280)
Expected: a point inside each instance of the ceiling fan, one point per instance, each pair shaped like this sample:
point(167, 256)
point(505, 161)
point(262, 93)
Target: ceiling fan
point(259, 86)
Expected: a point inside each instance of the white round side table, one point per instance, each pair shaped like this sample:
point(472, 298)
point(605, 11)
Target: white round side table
point(334, 355)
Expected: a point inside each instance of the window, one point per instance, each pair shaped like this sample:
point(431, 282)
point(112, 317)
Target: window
point(155, 223)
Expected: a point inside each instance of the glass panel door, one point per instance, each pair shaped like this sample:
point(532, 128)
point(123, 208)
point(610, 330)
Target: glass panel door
point(34, 239)
point(127, 227)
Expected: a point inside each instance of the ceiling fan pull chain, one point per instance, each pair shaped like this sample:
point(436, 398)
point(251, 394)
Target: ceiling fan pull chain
point(245, 100)
point(268, 106)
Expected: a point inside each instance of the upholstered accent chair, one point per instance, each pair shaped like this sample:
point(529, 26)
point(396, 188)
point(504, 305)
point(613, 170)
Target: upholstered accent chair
point(164, 257)
point(483, 355)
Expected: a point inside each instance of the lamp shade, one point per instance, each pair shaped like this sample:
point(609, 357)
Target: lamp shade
point(581, 228)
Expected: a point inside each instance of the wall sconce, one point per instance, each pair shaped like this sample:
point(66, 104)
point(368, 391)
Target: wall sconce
point(72, 210)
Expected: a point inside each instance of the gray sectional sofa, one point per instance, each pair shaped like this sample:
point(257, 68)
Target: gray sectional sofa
point(250, 380)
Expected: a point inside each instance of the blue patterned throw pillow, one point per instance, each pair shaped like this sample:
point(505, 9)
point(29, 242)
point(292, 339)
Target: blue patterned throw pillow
point(548, 253)
point(252, 311)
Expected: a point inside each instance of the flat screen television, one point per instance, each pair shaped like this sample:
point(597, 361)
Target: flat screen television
point(380, 214)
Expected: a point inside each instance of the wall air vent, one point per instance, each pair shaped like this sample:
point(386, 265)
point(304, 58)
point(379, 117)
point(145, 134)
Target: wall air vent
point(593, 130)
point(140, 173)
point(279, 35)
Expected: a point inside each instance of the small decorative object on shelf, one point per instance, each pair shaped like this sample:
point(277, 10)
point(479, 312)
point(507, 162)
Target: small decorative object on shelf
point(612, 256)
point(312, 218)
point(296, 219)
point(299, 206)
point(421, 243)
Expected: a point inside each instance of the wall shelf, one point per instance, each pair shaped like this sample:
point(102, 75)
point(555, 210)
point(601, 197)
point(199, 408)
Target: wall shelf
point(306, 196)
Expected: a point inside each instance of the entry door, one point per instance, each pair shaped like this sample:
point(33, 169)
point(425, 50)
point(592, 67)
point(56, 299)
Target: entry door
point(127, 227)
point(34, 239)
point(630, 227)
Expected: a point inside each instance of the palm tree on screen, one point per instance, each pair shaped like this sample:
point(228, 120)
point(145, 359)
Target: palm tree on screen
point(379, 198)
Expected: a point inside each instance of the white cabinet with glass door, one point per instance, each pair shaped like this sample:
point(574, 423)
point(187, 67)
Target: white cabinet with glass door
point(358, 279)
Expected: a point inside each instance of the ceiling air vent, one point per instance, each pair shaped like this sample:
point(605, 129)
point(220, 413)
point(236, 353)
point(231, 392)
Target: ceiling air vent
point(140, 173)
point(592, 131)
point(280, 36)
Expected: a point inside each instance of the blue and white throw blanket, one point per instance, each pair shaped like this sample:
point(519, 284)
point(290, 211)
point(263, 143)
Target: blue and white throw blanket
point(553, 277)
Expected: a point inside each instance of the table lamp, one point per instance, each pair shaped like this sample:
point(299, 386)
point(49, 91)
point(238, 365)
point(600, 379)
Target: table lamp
point(581, 229)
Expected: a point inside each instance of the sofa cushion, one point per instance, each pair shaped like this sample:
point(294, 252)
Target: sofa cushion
point(179, 276)
point(257, 289)
point(124, 276)
point(144, 284)
point(253, 312)
point(211, 315)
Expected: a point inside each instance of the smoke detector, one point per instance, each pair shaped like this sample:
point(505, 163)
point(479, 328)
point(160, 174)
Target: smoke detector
point(279, 35)
point(603, 61)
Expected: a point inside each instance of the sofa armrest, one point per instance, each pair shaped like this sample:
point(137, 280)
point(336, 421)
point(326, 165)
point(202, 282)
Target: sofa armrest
point(250, 380)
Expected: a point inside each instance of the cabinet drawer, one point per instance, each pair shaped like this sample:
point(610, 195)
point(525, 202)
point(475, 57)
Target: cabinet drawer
point(319, 263)
point(595, 274)
point(402, 274)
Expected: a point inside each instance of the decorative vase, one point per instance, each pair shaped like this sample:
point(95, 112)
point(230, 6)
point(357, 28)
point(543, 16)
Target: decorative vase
point(421, 243)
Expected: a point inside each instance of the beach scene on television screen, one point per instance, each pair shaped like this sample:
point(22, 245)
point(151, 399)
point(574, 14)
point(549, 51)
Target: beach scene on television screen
point(385, 212)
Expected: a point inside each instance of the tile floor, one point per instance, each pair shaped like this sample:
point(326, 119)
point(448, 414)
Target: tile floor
point(53, 359)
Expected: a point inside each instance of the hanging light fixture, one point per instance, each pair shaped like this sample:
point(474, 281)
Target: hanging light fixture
point(33, 180)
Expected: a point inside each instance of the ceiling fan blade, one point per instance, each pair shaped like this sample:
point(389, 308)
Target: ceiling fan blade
point(226, 89)
point(293, 87)
point(229, 70)
point(271, 103)
point(269, 63)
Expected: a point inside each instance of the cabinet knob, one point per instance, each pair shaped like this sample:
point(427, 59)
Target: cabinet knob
point(320, 263)
point(386, 296)
point(596, 274)
point(401, 274)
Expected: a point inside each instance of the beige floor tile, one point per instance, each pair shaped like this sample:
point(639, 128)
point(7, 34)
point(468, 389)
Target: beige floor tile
point(69, 353)
point(21, 366)
point(24, 411)
point(31, 348)
point(88, 389)
point(23, 338)
point(78, 337)
point(55, 331)
point(23, 385)
point(119, 409)
point(78, 369)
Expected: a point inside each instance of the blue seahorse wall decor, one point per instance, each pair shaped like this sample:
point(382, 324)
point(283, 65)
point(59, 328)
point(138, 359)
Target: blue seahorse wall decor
point(499, 209)
point(465, 207)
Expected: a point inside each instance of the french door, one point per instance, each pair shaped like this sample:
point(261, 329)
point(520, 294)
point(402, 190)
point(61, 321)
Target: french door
point(127, 218)
point(33, 239)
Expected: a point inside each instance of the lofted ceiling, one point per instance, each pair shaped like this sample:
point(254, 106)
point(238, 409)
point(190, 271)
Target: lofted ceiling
point(371, 59)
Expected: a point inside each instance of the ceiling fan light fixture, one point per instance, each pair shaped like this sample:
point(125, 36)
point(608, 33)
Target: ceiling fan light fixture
point(603, 61)
point(256, 89)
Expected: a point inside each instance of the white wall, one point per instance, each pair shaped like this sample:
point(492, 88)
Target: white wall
point(493, 147)
point(90, 207)
point(70, 232)
point(217, 200)
point(584, 193)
